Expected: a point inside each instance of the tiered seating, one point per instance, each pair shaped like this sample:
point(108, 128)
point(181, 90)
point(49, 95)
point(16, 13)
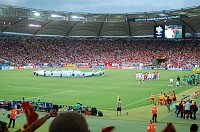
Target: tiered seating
point(179, 54)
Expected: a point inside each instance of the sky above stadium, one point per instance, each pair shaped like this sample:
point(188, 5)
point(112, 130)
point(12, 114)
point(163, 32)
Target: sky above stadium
point(103, 6)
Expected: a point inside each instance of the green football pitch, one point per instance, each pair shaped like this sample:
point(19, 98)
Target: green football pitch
point(100, 92)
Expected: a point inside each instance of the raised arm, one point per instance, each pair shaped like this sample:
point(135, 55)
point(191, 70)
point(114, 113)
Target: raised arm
point(35, 125)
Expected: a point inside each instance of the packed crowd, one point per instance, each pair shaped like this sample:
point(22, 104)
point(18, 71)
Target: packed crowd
point(182, 54)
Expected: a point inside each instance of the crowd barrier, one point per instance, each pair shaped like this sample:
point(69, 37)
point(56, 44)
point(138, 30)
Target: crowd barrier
point(196, 69)
point(102, 67)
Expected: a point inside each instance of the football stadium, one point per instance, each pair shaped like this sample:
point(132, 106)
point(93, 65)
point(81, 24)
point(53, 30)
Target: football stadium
point(118, 71)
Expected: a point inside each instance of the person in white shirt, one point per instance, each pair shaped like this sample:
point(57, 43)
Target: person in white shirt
point(187, 109)
point(119, 107)
point(137, 76)
point(177, 83)
point(171, 81)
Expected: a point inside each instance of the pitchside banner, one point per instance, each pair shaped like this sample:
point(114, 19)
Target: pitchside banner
point(99, 66)
point(28, 67)
point(45, 65)
point(84, 66)
point(19, 67)
point(5, 68)
point(192, 95)
point(196, 69)
point(195, 94)
point(70, 65)
point(179, 69)
point(114, 67)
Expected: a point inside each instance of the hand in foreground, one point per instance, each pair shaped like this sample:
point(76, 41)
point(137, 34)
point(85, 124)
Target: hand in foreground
point(53, 113)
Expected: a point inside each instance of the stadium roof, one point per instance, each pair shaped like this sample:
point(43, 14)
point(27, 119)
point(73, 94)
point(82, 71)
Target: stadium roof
point(16, 20)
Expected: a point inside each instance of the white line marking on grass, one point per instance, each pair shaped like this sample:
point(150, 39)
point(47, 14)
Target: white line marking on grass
point(142, 99)
point(51, 94)
point(135, 102)
point(34, 88)
point(5, 85)
point(146, 98)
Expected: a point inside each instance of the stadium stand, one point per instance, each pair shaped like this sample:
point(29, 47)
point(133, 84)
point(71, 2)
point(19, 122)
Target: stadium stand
point(184, 54)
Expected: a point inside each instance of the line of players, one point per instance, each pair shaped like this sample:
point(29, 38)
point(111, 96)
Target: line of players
point(167, 99)
point(147, 76)
point(164, 98)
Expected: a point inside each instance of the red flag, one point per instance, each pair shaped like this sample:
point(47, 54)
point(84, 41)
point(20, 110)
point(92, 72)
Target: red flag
point(31, 115)
point(108, 129)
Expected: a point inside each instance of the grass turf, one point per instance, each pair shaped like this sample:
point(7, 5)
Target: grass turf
point(100, 92)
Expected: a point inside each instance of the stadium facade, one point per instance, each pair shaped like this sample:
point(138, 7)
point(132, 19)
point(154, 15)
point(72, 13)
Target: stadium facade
point(35, 22)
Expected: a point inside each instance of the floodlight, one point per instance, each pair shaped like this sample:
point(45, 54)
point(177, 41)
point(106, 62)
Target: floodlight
point(34, 25)
point(36, 14)
point(76, 17)
point(57, 16)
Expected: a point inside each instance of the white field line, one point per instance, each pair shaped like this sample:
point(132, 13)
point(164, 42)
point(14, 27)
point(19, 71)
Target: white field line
point(32, 88)
point(142, 99)
point(5, 85)
point(51, 94)
point(135, 102)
